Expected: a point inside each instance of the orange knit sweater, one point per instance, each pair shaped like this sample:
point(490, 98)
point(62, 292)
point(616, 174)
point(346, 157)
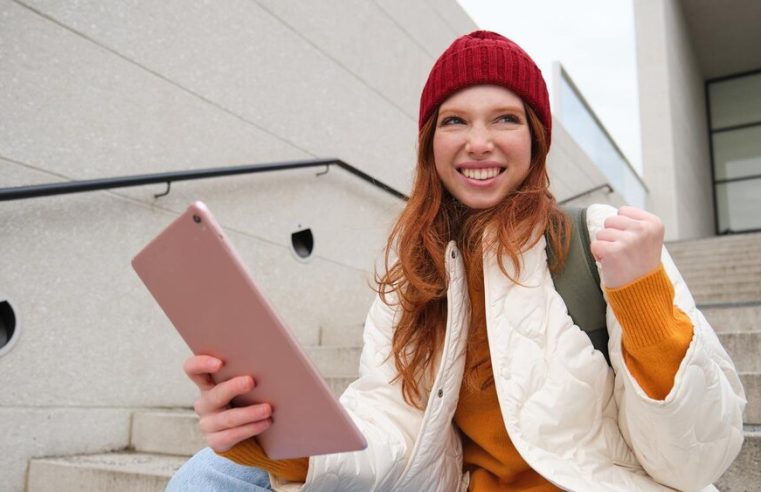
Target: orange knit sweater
point(654, 343)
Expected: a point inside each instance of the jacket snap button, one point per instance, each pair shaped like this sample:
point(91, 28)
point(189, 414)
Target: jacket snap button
point(440, 393)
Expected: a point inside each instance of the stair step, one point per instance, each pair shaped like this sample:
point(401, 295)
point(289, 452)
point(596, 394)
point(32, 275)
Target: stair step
point(734, 251)
point(713, 249)
point(712, 256)
point(745, 473)
point(735, 290)
point(174, 432)
point(339, 384)
point(751, 382)
point(713, 267)
point(730, 318)
point(705, 273)
point(720, 265)
point(344, 336)
point(726, 283)
point(114, 472)
point(703, 277)
point(749, 250)
point(721, 243)
point(744, 349)
point(716, 296)
point(729, 238)
point(335, 361)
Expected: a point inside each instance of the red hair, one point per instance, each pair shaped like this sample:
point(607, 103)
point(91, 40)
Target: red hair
point(433, 217)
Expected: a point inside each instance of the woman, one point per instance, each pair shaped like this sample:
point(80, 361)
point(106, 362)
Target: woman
point(473, 375)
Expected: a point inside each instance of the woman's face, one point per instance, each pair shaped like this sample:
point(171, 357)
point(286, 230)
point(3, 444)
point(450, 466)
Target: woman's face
point(482, 145)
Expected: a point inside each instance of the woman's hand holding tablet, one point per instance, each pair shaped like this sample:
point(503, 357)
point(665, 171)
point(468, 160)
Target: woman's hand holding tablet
point(224, 426)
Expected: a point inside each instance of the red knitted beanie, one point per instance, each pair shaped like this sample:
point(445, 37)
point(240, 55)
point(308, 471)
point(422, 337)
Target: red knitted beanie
point(485, 57)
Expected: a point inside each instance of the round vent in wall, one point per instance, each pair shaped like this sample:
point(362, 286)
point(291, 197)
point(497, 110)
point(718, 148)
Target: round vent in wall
point(302, 242)
point(8, 328)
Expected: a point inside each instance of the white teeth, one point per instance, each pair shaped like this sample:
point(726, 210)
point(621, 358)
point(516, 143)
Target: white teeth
point(481, 174)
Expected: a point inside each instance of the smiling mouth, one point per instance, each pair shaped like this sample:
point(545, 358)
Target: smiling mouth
point(481, 174)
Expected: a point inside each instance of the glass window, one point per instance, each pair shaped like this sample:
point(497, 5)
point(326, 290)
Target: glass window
point(583, 126)
point(735, 101)
point(737, 153)
point(735, 132)
point(738, 203)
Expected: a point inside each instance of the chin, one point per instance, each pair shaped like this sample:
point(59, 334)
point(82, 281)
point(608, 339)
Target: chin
point(480, 204)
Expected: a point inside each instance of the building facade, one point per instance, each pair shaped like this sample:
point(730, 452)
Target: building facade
point(699, 69)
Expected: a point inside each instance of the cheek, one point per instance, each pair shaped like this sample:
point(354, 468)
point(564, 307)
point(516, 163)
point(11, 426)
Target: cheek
point(522, 149)
point(439, 155)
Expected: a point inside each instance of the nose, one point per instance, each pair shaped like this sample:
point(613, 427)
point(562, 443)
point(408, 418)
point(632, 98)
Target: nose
point(479, 141)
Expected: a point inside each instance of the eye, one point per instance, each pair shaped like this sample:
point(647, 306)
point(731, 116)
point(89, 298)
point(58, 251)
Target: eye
point(509, 118)
point(451, 120)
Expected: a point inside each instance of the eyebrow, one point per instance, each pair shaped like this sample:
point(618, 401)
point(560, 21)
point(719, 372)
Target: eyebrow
point(517, 109)
point(499, 109)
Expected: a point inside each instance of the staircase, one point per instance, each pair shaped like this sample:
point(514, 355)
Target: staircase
point(162, 440)
point(724, 275)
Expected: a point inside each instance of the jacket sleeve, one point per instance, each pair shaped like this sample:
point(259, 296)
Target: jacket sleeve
point(379, 411)
point(688, 439)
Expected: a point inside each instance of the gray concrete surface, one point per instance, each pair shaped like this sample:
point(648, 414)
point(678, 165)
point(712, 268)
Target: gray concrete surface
point(114, 472)
point(745, 473)
point(173, 432)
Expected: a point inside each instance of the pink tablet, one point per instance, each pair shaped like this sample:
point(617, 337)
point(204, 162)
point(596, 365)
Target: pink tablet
point(202, 285)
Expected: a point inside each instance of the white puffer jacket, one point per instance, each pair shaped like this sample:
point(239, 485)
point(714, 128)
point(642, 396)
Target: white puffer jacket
point(579, 423)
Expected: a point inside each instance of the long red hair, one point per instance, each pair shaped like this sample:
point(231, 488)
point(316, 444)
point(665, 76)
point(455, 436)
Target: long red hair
point(433, 217)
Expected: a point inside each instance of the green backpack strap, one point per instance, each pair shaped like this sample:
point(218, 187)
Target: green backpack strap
point(579, 283)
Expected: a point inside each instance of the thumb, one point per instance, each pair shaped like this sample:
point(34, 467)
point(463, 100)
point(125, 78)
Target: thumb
point(598, 250)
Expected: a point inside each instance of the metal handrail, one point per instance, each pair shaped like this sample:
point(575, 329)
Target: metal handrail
point(50, 189)
point(589, 191)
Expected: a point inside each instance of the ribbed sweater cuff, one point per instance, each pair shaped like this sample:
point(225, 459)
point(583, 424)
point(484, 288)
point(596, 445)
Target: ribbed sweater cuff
point(249, 453)
point(656, 333)
point(645, 309)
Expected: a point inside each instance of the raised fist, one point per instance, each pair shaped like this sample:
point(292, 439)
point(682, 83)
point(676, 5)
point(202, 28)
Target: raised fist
point(628, 246)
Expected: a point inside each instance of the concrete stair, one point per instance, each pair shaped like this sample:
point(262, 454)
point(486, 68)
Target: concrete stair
point(172, 432)
point(335, 361)
point(109, 471)
point(724, 275)
point(160, 442)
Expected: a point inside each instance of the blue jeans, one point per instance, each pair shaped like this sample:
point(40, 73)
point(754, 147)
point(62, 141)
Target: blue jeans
point(209, 472)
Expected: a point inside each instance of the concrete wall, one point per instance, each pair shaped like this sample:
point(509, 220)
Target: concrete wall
point(91, 90)
point(675, 149)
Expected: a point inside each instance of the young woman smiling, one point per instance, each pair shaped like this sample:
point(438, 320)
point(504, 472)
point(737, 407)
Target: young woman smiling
point(473, 376)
